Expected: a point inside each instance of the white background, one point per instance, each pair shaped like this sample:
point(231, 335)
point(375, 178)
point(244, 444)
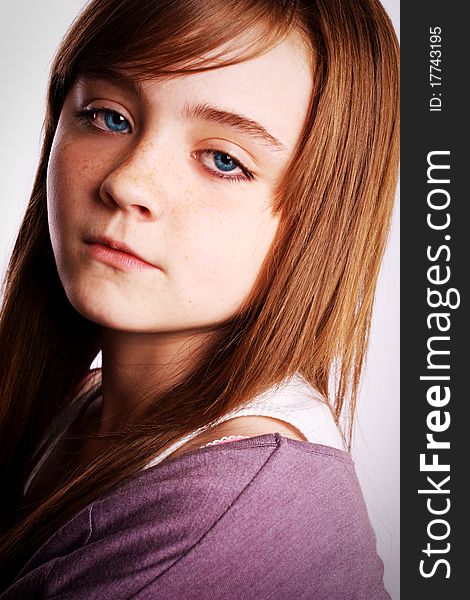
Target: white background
point(29, 35)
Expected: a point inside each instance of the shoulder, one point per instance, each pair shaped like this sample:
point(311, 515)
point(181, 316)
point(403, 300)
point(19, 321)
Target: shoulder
point(300, 529)
point(278, 517)
point(245, 426)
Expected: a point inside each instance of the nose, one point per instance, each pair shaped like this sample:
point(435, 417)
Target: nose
point(130, 185)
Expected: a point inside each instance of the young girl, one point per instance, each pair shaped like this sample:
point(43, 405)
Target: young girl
point(210, 212)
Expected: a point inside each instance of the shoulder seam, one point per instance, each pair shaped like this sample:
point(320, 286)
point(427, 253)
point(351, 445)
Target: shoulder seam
point(323, 450)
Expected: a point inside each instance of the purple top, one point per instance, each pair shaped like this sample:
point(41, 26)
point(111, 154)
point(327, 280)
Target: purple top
point(259, 518)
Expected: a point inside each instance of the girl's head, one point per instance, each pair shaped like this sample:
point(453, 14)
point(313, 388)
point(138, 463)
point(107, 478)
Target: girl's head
point(296, 99)
point(182, 169)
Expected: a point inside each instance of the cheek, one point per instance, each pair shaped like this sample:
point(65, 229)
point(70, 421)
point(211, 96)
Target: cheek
point(60, 178)
point(223, 258)
point(66, 185)
point(57, 195)
point(71, 180)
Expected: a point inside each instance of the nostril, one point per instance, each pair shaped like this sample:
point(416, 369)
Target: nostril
point(143, 210)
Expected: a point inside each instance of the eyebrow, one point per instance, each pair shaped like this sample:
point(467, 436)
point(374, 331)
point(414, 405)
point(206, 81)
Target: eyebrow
point(114, 77)
point(199, 111)
point(241, 123)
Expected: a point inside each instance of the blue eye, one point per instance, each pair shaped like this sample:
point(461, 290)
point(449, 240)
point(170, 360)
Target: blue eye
point(110, 118)
point(224, 161)
point(113, 121)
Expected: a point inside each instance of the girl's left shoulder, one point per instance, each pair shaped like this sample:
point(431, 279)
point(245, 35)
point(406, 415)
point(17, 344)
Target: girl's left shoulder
point(264, 516)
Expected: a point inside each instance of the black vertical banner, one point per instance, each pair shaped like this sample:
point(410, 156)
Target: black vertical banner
point(435, 268)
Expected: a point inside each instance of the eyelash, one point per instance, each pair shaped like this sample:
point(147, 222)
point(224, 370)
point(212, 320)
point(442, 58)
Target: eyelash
point(86, 116)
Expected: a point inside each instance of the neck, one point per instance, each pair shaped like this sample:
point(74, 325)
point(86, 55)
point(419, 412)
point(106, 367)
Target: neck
point(135, 365)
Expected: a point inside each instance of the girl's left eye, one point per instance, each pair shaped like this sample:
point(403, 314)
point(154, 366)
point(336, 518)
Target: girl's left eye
point(224, 164)
point(113, 121)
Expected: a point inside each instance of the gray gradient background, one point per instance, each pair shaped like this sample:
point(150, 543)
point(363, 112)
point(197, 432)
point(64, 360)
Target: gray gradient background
point(29, 35)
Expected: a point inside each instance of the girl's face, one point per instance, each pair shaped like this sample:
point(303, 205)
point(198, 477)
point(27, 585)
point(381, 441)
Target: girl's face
point(181, 171)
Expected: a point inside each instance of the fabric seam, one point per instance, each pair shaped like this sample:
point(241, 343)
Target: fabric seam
point(48, 574)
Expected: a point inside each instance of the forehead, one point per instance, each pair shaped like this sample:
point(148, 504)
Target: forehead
point(272, 90)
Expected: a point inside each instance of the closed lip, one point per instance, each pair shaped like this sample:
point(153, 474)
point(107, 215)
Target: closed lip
point(117, 245)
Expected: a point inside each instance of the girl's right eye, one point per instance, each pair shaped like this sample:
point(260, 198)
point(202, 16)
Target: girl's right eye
point(106, 119)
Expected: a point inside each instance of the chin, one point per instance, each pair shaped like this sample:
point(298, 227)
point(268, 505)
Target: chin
point(112, 308)
point(114, 314)
point(101, 306)
point(103, 316)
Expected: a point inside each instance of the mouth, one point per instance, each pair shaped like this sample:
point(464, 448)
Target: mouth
point(117, 254)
